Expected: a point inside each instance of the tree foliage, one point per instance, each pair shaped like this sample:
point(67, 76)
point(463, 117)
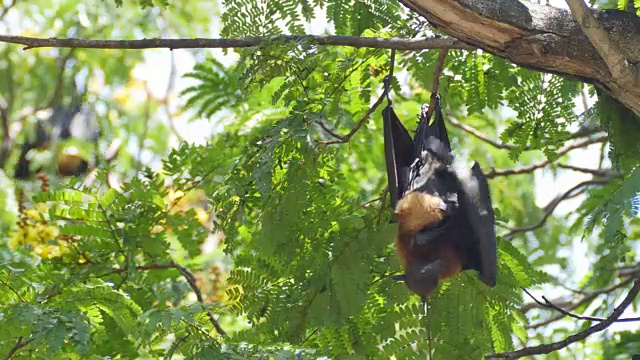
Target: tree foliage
point(303, 259)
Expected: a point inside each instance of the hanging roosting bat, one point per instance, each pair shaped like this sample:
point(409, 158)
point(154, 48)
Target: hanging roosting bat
point(445, 216)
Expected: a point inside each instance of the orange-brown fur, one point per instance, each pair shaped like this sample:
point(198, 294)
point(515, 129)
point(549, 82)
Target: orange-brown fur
point(414, 212)
point(417, 210)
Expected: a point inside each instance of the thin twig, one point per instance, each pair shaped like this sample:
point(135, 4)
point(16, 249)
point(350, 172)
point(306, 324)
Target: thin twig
point(531, 168)
point(582, 132)
point(200, 43)
point(473, 131)
point(595, 172)
point(603, 149)
point(191, 280)
point(546, 304)
point(6, 283)
point(548, 348)
point(587, 298)
point(167, 95)
point(347, 137)
point(372, 109)
point(550, 208)
point(6, 9)
point(436, 81)
point(327, 130)
point(19, 345)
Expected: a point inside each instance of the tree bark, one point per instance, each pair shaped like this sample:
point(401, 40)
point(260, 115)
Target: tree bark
point(540, 37)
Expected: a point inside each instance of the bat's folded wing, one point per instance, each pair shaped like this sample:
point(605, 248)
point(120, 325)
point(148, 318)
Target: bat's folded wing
point(476, 201)
point(398, 148)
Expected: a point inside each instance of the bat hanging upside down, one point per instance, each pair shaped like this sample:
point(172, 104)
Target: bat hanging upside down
point(445, 216)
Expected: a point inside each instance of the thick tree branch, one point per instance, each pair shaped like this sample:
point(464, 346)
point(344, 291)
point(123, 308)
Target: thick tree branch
point(621, 70)
point(548, 348)
point(539, 37)
point(336, 40)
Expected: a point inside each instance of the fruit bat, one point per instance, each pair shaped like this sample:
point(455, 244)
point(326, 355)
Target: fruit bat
point(445, 215)
point(76, 122)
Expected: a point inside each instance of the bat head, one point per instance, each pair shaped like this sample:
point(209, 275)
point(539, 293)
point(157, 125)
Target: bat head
point(418, 210)
point(423, 277)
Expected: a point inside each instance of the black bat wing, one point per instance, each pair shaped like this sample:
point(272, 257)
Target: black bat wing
point(475, 200)
point(398, 149)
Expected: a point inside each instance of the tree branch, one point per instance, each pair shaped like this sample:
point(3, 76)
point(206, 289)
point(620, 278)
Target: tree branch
point(610, 51)
point(475, 132)
point(594, 172)
point(587, 298)
point(539, 37)
point(548, 348)
point(6, 8)
point(546, 304)
point(19, 345)
point(551, 207)
point(531, 168)
point(581, 132)
point(191, 280)
point(199, 43)
point(372, 109)
point(436, 81)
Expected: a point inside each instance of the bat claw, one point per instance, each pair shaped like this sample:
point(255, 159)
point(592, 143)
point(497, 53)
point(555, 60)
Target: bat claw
point(399, 277)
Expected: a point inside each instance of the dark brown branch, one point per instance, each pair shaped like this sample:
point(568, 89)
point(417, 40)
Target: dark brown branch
point(329, 131)
point(191, 280)
point(550, 208)
point(473, 131)
point(531, 168)
point(548, 348)
point(621, 69)
point(546, 304)
point(582, 132)
point(19, 345)
point(367, 115)
point(436, 81)
point(346, 138)
point(595, 172)
point(587, 298)
point(198, 43)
